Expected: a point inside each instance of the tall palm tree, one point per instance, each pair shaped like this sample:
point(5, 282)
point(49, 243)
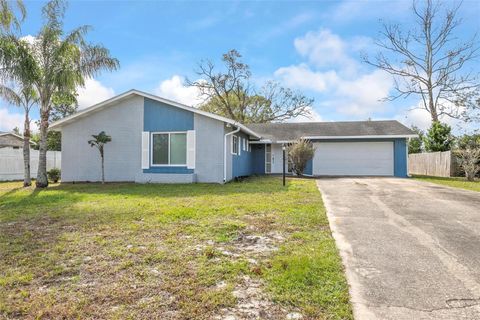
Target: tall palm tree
point(60, 64)
point(25, 97)
point(16, 86)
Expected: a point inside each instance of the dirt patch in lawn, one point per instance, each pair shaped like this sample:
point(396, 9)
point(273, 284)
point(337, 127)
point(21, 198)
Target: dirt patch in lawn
point(246, 250)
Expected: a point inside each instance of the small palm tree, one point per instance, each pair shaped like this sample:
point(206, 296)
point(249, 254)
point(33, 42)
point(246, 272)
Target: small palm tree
point(99, 141)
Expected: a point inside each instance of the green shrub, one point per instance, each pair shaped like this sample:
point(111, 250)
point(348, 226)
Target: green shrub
point(438, 137)
point(54, 175)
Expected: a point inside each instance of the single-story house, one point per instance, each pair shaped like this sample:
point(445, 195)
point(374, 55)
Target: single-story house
point(12, 140)
point(159, 140)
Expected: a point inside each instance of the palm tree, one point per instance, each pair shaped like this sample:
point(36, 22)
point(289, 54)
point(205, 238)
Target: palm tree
point(99, 141)
point(16, 86)
point(63, 62)
point(25, 97)
point(58, 63)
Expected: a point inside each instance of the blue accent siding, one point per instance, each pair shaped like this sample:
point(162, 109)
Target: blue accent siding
point(400, 155)
point(242, 164)
point(309, 168)
point(258, 159)
point(161, 117)
point(166, 169)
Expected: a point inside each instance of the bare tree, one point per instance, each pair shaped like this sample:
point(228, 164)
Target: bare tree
point(230, 93)
point(429, 61)
point(299, 153)
point(469, 161)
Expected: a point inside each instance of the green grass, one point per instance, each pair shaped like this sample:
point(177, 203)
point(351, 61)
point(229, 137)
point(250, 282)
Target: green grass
point(129, 251)
point(452, 182)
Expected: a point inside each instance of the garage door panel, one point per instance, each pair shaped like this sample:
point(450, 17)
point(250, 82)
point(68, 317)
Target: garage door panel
point(353, 158)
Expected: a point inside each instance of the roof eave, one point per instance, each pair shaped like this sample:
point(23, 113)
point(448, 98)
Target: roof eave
point(384, 136)
point(56, 126)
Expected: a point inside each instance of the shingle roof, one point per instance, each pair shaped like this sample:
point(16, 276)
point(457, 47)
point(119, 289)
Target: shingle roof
point(296, 130)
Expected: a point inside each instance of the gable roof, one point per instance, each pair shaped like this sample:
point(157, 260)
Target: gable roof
point(284, 132)
point(11, 134)
point(110, 102)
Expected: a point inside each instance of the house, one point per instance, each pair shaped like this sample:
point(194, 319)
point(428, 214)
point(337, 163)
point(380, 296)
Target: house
point(11, 140)
point(158, 140)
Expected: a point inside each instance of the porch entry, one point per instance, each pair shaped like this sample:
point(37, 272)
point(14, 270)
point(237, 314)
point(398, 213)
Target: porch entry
point(268, 158)
point(274, 159)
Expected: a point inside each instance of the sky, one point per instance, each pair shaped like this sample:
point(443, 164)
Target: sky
point(314, 47)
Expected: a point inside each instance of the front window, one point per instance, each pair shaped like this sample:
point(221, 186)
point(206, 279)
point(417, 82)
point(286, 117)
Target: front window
point(169, 148)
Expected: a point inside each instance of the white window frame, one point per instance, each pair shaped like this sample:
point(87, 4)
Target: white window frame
point(234, 137)
point(151, 149)
point(244, 144)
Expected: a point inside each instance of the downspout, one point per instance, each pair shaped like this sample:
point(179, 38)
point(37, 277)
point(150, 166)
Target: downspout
point(225, 153)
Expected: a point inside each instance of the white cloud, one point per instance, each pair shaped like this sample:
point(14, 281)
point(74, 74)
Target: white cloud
point(314, 117)
point(323, 48)
point(421, 118)
point(415, 116)
point(175, 90)
point(364, 94)
point(333, 72)
point(93, 93)
point(301, 76)
point(29, 39)
point(10, 120)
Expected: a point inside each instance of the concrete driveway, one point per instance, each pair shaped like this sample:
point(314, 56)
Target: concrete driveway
point(411, 249)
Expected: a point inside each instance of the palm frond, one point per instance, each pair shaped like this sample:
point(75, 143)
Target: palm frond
point(53, 13)
point(8, 18)
point(95, 58)
point(10, 95)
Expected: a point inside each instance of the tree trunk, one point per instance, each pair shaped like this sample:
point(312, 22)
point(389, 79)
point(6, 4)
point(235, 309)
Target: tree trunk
point(27, 179)
point(103, 171)
point(42, 180)
point(432, 107)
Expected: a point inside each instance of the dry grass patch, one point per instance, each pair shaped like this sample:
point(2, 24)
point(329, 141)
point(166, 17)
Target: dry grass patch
point(249, 249)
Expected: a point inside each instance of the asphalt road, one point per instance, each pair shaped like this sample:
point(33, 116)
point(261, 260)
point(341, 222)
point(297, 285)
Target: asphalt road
point(411, 249)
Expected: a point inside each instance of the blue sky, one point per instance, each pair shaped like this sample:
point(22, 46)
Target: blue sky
point(313, 47)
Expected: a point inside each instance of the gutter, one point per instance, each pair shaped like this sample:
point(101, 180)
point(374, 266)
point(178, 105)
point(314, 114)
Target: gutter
point(225, 153)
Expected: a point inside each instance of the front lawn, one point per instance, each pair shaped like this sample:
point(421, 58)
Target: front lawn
point(456, 182)
point(250, 249)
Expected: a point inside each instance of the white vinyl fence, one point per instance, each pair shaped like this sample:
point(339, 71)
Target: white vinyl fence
point(11, 163)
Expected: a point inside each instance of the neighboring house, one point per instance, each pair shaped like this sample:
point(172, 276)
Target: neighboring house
point(158, 140)
point(12, 140)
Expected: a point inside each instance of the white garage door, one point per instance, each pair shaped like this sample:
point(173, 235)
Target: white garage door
point(353, 158)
